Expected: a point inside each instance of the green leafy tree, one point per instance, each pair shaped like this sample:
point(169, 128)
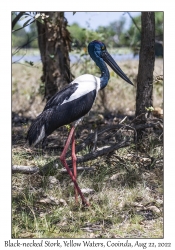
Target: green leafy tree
point(19, 38)
point(132, 37)
point(78, 35)
point(112, 32)
point(81, 36)
point(33, 35)
point(159, 17)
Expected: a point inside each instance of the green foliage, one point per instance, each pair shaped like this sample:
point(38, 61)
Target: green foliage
point(22, 37)
point(33, 35)
point(78, 34)
point(132, 36)
point(159, 18)
point(81, 36)
point(19, 37)
point(112, 32)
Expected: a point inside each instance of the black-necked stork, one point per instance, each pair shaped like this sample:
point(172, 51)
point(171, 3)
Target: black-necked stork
point(72, 103)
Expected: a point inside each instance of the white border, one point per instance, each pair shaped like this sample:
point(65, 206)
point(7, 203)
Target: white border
point(5, 95)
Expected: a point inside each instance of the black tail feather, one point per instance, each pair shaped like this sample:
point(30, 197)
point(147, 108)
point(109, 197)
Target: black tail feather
point(36, 131)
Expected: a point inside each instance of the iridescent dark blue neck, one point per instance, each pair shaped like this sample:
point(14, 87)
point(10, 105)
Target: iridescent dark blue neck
point(94, 49)
point(104, 73)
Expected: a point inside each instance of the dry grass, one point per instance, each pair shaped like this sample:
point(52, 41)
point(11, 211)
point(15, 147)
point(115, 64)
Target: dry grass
point(125, 203)
point(119, 98)
point(128, 196)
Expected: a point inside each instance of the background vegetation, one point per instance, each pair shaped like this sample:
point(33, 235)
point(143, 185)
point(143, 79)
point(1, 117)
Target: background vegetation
point(113, 34)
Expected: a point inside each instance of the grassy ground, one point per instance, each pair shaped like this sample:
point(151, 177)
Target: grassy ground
point(127, 197)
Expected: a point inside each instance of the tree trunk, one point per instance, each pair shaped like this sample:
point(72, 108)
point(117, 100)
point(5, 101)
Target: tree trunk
point(54, 44)
point(146, 68)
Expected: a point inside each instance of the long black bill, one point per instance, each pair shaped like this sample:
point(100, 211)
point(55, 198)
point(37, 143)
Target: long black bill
point(110, 61)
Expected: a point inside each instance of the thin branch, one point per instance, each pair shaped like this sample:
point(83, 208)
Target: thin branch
point(16, 19)
point(24, 45)
point(20, 57)
point(123, 120)
point(101, 152)
point(89, 140)
point(24, 26)
point(64, 171)
point(134, 22)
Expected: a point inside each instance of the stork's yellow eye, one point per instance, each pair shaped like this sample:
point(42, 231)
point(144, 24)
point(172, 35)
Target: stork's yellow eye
point(103, 47)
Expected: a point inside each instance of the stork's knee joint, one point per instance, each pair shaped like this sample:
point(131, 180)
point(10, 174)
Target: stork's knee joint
point(62, 157)
point(74, 157)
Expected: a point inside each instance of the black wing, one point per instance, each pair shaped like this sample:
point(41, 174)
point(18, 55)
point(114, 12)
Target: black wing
point(60, 96)
point(56, 115)
point(69, 112)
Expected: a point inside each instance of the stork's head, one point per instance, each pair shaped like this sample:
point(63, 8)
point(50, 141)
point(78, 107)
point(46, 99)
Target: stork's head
point(97, 50)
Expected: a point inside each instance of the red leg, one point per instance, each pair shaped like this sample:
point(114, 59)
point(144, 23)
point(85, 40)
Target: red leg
point(63, 160)
point(74, 160)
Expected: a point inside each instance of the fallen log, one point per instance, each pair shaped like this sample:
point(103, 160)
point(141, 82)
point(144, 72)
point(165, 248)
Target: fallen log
point(34, 169)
